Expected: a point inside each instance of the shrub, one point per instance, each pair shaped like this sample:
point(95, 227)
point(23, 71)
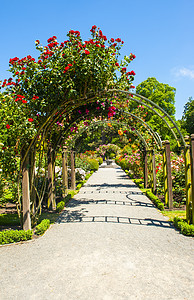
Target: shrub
point(94, 165)
point(82, 163)
point(112, 155)
point(78, 187)
point(60, 206)
point(155, 200)
point(42, 227)
point(100, 160)
point(13, 236)
point(183, 226)
point(88, 175)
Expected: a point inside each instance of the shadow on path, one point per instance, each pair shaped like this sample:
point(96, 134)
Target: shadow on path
point(132, 202)
point(78, 216)
point(107, 185)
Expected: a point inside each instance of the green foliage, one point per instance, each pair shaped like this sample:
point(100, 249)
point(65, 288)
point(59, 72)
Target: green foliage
point(8, 190)
point(112, 155)
point(139, 183)
point(100, 160)
point(82, 163)
point(164, 96)
point(9, 219)
point(160, 93)
point(178, 177)
point(88, 175)
point(155, 200)
point(94, 165)
point(106, 150)
point(42, 227)
point(60, 206)
point(13, 236)
point(131, 160)
point(183, 226)
point(187, 120)
point(78, 187)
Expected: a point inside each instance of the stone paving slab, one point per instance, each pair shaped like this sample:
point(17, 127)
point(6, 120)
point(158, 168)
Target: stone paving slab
point(109, 243)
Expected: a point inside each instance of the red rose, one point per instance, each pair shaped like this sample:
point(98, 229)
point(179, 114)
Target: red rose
point(66, 68)
point(7, 126)
point(30, 120)
point(24, 101)
point(87, 52)
point(132, 73)
point(117, 64)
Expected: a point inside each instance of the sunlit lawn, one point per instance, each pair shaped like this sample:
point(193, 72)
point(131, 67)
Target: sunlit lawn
point(174, 213)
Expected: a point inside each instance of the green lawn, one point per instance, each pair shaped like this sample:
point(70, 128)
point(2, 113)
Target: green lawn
point(174, 213)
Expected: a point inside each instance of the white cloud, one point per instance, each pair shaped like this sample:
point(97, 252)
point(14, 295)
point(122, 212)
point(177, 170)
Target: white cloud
point(184, 72)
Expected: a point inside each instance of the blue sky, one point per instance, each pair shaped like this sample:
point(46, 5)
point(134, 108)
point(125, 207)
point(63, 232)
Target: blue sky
point(159, 33)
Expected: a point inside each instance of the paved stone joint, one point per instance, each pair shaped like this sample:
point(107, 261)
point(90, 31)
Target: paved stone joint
point(110, 243)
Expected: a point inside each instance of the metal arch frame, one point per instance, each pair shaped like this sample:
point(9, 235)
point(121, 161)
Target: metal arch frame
point(67, 108)
point(147, 127)
point(155, 135)
point(154, 105)
point(106, 122)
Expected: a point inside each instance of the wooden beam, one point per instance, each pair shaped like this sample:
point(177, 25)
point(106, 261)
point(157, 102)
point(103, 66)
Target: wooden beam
point(64, 171)
point(50, 177)
point(72, 170)
point(188, 187)
point(192, 174)
point(26, 193)
point(168, 176)
point(145, 169)
point(153, 173)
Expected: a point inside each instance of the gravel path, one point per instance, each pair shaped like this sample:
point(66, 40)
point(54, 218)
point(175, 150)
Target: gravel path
point(110, 243)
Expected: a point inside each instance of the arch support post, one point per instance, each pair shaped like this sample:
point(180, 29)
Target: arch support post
point(64, 171)
point(192, 174)
point(153, 171)
point(145, 157)
point(72, 169)
point(51, 196)
point(168, 195)
point(188, 186)
point(26, 192)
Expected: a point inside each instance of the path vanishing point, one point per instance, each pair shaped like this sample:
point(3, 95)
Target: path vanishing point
point(110, 243)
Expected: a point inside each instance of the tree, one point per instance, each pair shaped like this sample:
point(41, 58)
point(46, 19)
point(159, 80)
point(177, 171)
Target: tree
point(160, 93)
point(188, 116)
point(164, 96)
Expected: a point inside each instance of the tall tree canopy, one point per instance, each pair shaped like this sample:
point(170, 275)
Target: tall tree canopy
point(164, 96)
point(160, 93)
point(188, 116)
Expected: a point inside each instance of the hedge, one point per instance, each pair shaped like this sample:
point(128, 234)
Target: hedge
point(155, 200)
point(42, 227)
point(183, 226)
point(13, 236)
point(60, 206)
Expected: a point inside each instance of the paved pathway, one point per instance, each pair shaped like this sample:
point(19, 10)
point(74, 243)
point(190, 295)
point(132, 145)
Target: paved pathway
point(110, 243)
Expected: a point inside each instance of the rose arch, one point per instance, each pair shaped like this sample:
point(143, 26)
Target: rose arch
point(73, 82)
